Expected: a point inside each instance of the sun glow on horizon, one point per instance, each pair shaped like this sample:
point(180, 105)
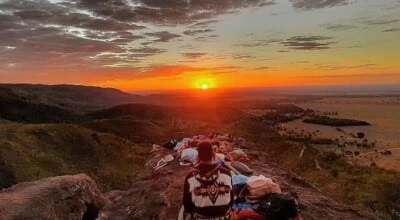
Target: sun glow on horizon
point(204, 83)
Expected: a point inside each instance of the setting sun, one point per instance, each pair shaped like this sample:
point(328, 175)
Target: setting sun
point(204, 86)
point(204, 82)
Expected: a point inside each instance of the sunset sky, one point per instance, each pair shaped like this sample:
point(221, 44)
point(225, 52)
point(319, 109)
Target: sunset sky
point(177, 44)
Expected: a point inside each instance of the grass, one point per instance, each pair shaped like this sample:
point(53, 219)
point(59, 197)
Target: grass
point(130, 128)
point(30, 152)
point(369, 188)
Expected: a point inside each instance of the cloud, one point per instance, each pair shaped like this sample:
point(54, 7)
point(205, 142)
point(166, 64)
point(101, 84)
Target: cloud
point(314, 4)
point(257, 43)
point(243, 56)
point(384, 21)
point(308, 42)
point(86, 34)
point(338, 67)
point(203, 24)
point(262, 68)
point(193, 55)
point(391, 30)
point(163, 36)
point(161, 70)
point(125, 37)
point(302, 62)
point(339, 27)
point(166, 12)
point(67, 18)
point(224, 69)
point(195, 32)
point(205, 38)
point(359, 75)
point(150, 50)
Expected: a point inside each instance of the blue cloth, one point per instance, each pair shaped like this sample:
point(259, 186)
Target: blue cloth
point(244, 206)
point(219, 162)
point(239, 179)
point(241, 206)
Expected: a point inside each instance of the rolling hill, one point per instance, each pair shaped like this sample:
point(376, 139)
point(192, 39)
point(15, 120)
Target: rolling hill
point(29, 152)
point(70, 97)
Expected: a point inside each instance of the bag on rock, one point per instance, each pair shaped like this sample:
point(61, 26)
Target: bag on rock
point(242, 168)
point(276, 206)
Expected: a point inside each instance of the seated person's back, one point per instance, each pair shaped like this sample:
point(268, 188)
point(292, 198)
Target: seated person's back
point(208, 188)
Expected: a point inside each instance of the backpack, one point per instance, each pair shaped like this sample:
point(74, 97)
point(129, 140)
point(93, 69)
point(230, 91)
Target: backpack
point(276, 206)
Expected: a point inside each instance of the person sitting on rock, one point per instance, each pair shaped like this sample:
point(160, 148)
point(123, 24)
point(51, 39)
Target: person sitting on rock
point(208, 188)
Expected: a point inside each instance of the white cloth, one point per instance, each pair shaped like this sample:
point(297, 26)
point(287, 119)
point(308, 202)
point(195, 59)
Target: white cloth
point(190, 155)
point(220, 156)
point(182, 143)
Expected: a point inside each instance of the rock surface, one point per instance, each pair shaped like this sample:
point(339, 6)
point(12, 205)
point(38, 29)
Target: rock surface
point(158, 194)
point(63, 197)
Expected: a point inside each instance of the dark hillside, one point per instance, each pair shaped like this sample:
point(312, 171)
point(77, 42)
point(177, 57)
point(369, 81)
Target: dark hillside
point(135, 130)
point(146, 123)
point(23, 111)
point(72, 97)
point(139, 111)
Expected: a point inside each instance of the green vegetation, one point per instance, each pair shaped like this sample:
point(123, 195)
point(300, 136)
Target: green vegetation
point(336, 122)
point(69, 97)
point(135, 130)
point(30, 152)
point(22, 111)
point(369, 188)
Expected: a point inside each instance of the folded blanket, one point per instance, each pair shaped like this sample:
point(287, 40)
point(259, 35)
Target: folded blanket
point(259, 188)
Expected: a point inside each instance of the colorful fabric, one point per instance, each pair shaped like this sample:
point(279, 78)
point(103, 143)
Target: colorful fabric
point(208, 192)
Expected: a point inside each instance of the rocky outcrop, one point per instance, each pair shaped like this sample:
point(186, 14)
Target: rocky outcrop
point(63, 197)
point(158, 194)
